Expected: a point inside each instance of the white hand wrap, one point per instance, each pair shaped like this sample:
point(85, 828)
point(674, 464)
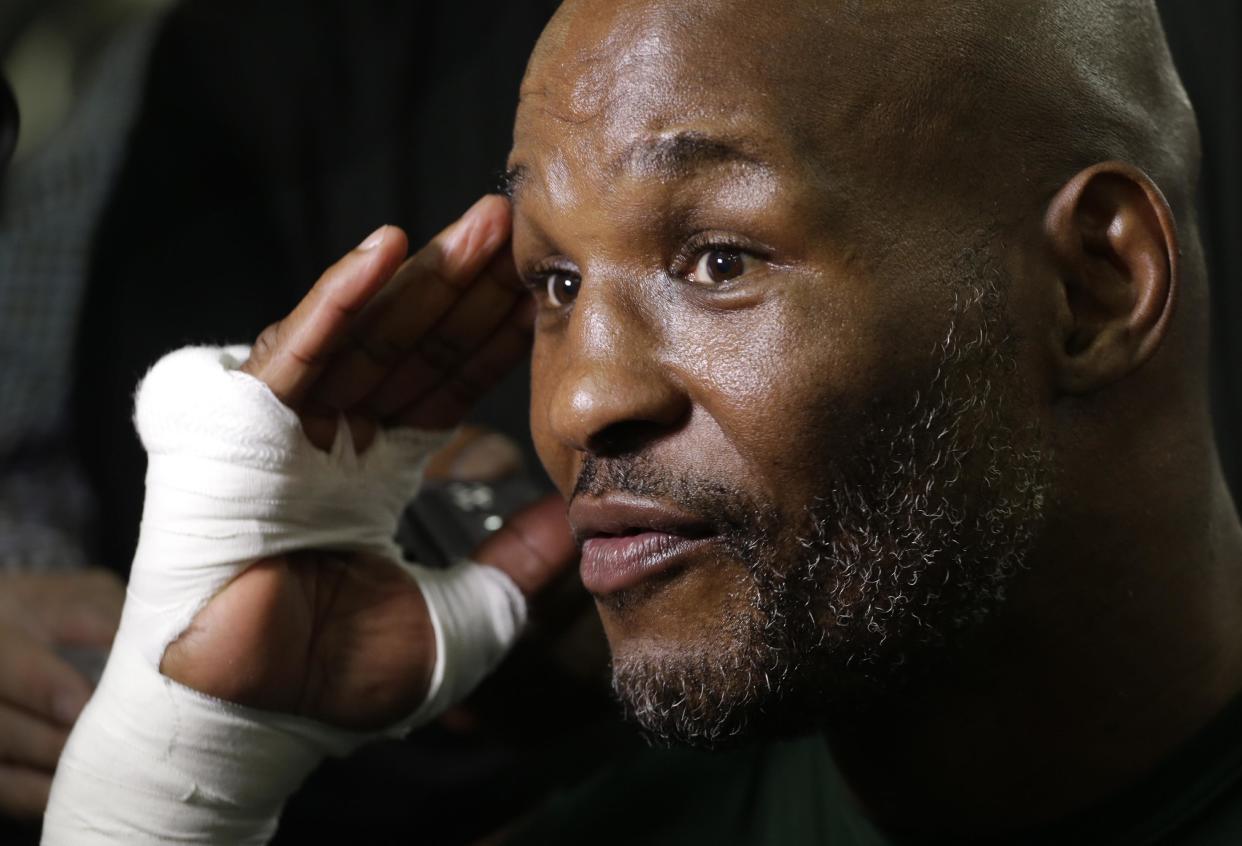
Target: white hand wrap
point(232, 479)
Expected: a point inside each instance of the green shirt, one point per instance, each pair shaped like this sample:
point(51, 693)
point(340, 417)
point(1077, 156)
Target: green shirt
point(790, 793)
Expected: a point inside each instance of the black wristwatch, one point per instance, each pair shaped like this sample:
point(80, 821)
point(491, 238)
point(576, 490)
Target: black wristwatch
point(447, 520)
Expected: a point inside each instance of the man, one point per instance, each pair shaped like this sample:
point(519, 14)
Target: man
point(869, 356)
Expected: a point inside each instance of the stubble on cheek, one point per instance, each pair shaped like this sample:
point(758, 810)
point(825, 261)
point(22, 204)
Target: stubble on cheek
point(696, 688)
point(916, 537)
point(691, 662)
point(685, 668)
point(696, 603)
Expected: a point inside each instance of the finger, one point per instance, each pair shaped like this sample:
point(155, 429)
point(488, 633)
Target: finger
point(28, 741)
point(421, 293)
point(88, 610)
point(37, 680)
point(474, 318)
point(61, 606)
point(290, 355)
point(446, 404)
point(23, 792)
point(533, 547)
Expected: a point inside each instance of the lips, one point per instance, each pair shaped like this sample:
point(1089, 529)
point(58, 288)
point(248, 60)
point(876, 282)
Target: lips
point(626, 540)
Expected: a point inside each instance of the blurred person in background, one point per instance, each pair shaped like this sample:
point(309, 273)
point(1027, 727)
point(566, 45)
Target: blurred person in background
point(77, 71)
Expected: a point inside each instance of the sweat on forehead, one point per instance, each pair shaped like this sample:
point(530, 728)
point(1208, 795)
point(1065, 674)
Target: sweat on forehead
point(996, 95)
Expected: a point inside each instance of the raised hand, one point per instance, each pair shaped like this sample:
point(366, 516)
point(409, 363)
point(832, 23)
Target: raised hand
point(345, 638)
point(413, 348)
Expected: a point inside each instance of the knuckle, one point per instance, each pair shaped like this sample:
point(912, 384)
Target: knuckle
point(266, 344)
point(433, 272)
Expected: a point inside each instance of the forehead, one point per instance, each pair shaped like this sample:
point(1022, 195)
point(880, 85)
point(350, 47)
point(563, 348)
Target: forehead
point(877, 116)
point(608, 60)
point(612, 85)
point(833, 91)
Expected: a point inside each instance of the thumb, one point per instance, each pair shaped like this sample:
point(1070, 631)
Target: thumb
point(533, 547)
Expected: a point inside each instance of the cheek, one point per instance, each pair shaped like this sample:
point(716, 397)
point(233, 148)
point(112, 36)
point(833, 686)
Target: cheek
point(556, 457)
point(790, 384)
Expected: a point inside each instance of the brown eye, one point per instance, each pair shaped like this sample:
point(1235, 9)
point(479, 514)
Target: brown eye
point(563, 288)
point(719, 264)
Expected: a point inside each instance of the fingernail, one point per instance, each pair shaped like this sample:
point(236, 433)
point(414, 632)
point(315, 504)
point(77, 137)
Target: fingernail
point(67, 705)
point(465, 240)
point(374, 239)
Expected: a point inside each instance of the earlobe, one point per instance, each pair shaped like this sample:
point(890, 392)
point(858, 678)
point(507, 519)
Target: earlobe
point(1115, 247)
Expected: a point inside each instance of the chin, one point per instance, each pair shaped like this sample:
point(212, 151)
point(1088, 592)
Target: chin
point(739, 686)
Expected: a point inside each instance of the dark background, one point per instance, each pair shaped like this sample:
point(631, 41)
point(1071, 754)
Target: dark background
point(1206, 39)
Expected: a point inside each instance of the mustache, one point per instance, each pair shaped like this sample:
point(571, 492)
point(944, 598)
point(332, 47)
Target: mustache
point(727, 508)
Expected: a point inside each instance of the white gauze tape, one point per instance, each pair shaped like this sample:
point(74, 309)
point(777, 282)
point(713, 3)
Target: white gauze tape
point(232, 479)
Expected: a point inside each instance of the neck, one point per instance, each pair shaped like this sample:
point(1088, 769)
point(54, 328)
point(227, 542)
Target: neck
point(1110, 655)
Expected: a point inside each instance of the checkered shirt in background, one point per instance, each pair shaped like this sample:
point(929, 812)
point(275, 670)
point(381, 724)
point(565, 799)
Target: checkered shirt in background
point(49, 205)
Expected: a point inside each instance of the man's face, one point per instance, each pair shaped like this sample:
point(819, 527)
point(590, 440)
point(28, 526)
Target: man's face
point(776, 391)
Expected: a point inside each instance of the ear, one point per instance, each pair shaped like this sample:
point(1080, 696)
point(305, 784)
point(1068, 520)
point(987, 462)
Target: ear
point(1114, 243)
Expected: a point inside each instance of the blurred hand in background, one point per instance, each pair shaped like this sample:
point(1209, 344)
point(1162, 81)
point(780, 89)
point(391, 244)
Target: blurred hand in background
point(48, 622)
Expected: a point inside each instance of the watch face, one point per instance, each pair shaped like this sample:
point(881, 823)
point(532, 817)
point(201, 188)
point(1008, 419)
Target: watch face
point(8, 123)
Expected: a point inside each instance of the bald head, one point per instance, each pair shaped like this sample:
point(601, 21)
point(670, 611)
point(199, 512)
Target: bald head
point(1012, 94)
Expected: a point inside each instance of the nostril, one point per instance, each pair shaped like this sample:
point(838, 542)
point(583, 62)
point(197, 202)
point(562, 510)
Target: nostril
point(626, 437)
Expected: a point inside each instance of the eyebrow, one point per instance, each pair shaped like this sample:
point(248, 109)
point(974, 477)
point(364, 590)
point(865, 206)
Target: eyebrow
point(510, 180)
point(676, 156)
point(666, 157)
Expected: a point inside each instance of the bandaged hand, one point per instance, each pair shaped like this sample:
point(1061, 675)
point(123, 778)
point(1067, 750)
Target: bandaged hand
point(269, 619)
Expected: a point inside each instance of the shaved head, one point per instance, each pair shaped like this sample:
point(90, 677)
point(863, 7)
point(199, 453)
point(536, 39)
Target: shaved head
point(1073, 81)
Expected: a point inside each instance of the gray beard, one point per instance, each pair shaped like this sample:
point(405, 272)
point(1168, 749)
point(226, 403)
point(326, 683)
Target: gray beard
point(914, 541)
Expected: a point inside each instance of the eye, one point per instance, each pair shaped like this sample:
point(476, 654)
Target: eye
point(562, 287)
point(720, 264)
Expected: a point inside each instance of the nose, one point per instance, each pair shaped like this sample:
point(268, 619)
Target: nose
point(613, 394)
